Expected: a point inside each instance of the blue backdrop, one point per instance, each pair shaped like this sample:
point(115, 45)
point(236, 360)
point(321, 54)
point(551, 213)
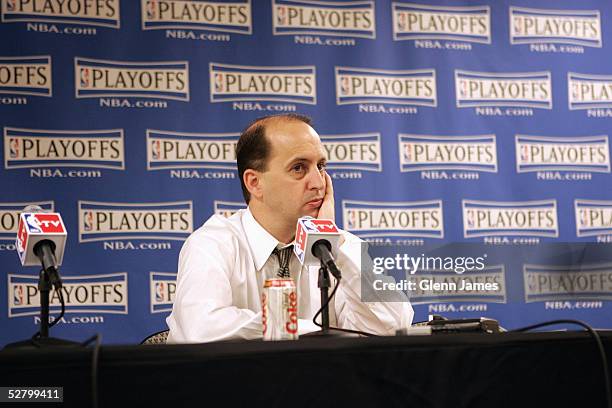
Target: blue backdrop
point(444, 121)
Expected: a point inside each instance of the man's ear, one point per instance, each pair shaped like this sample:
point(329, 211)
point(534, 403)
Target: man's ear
point(253, 182)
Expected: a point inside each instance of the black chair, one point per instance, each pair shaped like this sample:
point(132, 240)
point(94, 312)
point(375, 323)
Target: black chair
point(156, 338)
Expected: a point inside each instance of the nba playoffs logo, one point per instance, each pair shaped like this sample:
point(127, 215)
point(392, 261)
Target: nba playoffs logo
point(524, 89)
point(103, 78)
point(578, 27)
point(26, 76)
point(423, 219)
point(588, 91)
point(224, 17)
point(593, 217)
point(100, 221)
point(162, 289)
point(567, 153)
point(567, 282)
point(353, 152)
point(330, 18)
point(423, 22)
point(500, 218)
point(29, 148)
point(494, 275)
point(100, 13)
point(180, 150)
point(429, 152)
point(405, 87)
point(249, 83)
point(106, 293)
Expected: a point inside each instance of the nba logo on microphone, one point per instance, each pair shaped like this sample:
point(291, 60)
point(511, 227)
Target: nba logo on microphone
point(36, 226)
point(310, 226)
point(33, 224)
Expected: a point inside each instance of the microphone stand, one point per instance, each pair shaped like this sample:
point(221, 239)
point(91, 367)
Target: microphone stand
point(324, 283)
point(44, 287)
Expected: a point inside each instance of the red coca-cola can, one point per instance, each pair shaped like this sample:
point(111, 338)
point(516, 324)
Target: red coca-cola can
point(279, 309)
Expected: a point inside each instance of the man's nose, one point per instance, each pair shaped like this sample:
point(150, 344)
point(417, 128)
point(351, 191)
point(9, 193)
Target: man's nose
point(316, 179)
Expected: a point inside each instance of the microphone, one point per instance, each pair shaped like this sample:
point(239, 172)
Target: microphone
point(41, 239)
point(315, 242)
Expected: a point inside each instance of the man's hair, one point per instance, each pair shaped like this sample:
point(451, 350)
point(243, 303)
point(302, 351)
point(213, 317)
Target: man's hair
point(253, 147)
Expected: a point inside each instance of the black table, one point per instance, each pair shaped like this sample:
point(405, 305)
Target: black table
point(560, 369)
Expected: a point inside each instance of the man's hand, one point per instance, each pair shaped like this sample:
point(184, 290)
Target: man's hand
point(327, 210)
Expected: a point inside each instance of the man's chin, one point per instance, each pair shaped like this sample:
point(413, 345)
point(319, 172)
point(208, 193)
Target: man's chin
point(312, 212)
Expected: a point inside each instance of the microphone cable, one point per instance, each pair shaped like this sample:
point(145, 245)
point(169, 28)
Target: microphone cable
point(36, 335)
point(314, 319)
point(594, 334)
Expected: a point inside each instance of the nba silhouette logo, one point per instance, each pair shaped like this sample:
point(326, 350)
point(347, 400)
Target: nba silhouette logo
point(10, 5)
point(282, 15)
point(517, 27)
point(524, 152)
point(160, 291)
point(470, 218)
point(583, 218)
point(13, 147)
point(156, 149)
point(18, 298)
point(218, 82)
point(463, 88)
point(33, 224)
point(344, 86)
point(309, 226)
point(88, 220)
point(575, 91)
point(151, 5)
point(408, 152)
point(351, 219)
point(401, 21)
point(84, 77)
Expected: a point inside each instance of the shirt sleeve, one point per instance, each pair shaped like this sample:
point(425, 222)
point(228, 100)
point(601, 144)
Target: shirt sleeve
point(203, 310)
point(379, 317)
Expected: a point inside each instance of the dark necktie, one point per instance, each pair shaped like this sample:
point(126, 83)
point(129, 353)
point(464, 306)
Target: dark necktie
point(283, 255)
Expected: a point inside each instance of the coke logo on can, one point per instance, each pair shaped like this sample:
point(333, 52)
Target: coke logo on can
point(279, 309)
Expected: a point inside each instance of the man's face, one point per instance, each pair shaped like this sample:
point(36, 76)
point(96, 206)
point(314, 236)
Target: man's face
point(294, 183)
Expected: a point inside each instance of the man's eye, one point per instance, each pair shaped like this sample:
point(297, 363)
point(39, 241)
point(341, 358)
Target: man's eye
point(298, 168)
point(322, 166)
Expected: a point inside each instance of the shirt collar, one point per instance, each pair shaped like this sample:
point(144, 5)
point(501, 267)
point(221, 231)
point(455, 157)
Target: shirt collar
point(261, 242)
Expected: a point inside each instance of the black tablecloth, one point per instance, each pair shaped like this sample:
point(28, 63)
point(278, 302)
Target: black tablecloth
point(561, 369)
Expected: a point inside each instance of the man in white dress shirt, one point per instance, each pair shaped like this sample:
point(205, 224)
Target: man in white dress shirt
point(223, 264)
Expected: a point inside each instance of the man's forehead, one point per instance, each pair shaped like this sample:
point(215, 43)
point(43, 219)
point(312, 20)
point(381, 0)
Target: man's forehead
point(290, 138)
